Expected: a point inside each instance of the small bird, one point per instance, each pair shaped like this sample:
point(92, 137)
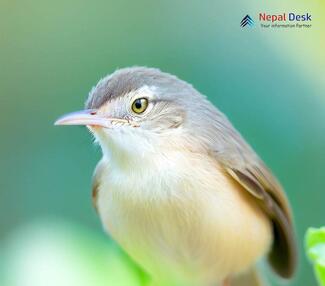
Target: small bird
point(179, 188)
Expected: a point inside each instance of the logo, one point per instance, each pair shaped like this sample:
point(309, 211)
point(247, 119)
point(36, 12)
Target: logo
point(247, 21)
point(278, 21)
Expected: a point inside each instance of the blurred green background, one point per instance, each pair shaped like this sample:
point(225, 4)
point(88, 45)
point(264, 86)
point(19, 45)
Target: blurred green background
point(271, 84)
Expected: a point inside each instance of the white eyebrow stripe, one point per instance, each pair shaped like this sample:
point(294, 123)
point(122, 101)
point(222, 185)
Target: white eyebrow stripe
point(144, 91)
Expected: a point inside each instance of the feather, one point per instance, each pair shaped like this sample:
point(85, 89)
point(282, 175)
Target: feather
point(96, 182)
point(260, 183)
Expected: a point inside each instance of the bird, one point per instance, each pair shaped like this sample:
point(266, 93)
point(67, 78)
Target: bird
point(179, 188)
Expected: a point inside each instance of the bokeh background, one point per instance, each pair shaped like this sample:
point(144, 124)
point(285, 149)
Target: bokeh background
point(270, 83)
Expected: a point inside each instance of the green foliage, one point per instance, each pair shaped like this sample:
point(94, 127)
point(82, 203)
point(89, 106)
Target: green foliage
point(53, 252)
point(315, 247)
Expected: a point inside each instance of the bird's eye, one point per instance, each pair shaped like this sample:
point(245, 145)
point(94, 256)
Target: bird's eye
point(140, 105)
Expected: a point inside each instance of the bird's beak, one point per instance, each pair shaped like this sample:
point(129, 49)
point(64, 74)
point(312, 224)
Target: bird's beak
point(84, 117)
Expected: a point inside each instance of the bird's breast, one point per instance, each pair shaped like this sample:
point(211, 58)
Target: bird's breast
point(182, 215)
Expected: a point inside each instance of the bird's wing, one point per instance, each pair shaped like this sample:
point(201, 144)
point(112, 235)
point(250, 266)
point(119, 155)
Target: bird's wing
point(244, 166)
point(96, 181)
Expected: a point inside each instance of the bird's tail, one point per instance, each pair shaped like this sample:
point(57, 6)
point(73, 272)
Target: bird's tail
point(250, 278)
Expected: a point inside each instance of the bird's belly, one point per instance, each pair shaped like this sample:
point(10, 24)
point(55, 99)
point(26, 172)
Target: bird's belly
point(194, 228)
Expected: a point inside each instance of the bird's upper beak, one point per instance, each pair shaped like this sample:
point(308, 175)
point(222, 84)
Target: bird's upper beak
point(91, 117)
point(84, 117)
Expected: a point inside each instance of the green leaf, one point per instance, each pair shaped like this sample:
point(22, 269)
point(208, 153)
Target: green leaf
point(53, 252)
point(315, 247)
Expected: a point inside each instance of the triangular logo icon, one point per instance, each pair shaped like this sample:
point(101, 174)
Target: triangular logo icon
point(247, 21)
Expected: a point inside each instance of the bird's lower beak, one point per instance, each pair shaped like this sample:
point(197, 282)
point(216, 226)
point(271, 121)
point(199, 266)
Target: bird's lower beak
point(84, 117)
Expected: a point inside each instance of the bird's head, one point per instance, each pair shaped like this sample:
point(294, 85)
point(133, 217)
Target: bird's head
point(139, 110)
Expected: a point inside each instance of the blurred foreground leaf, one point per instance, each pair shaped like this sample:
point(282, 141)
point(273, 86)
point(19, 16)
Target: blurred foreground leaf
point(51, 253)
point(315, 246)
